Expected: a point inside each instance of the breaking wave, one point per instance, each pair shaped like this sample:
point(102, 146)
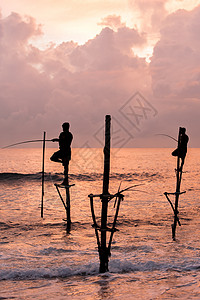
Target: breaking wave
point(80, 177)
point(116, 266)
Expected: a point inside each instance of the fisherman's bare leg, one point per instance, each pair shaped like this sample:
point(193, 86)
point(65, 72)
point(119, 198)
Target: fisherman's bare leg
point(182, 163)
point(56, 157)
point(66, 170)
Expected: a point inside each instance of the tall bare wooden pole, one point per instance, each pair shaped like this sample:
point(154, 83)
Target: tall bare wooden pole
point(68, 208)
point(103, 253)
point(43, 157)
point(178, 183)
point(103, 231)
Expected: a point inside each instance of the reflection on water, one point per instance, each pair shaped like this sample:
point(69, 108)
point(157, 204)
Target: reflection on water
point(104, 288)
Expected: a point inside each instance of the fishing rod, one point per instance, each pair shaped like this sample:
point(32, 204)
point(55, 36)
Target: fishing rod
point(171, 137)
point(25, 142)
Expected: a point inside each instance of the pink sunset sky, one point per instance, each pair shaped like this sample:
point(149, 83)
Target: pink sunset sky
point(76, 61)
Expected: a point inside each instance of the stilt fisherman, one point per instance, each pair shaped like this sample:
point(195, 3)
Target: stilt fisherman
point(63, 155)
point(181, 151)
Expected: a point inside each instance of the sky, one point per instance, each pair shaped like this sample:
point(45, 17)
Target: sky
point(76, 61)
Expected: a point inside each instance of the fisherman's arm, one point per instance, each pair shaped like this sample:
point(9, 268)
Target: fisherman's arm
point(61, 137)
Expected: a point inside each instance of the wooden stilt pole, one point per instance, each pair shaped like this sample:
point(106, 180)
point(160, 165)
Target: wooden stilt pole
point(180, 161)
point(67, 204)
point(96, 227)
point(102, 232)
point(43, 157)
point(178, 183)
point(119, 198)
point(68, 208)
point(103, 249)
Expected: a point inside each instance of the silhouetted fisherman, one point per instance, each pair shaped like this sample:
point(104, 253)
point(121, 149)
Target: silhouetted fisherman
point(64, 154)
point(182, 147)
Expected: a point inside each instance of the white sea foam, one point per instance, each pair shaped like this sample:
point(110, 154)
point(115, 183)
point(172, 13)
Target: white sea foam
point(116, 266)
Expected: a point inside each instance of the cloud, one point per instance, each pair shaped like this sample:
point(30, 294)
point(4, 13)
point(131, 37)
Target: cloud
point(152, 13)
point(66, 20)
point(40, 89)
point(112, 21)
point(109, 50)
point(16, 31)
point(175, 63)
point(175, 70)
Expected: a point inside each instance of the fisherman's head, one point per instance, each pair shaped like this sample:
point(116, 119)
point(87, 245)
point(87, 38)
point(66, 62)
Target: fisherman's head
point(65, 126)
point(183, 130)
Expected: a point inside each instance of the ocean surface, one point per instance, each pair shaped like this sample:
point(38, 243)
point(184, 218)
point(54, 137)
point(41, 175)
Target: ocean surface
point(40, 260)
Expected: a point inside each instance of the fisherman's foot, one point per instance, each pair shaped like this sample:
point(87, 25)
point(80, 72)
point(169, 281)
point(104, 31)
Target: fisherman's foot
point(58, 160)
point(64, 183)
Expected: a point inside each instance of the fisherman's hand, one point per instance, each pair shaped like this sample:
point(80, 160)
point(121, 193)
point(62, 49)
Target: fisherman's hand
point(54, 140)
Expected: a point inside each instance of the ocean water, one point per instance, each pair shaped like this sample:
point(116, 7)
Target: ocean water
point(40, 260)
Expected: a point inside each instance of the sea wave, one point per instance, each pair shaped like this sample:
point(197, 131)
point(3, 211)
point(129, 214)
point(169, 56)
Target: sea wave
point(81, 177)
point(116, 266)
